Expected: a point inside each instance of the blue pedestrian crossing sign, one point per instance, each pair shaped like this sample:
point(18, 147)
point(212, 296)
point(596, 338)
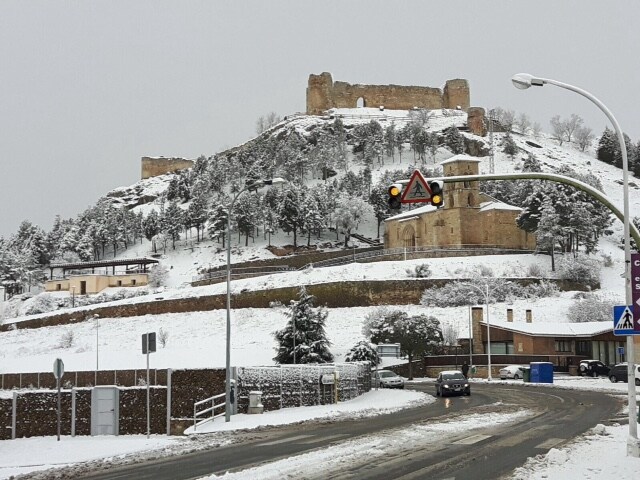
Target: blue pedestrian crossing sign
point(623, 323)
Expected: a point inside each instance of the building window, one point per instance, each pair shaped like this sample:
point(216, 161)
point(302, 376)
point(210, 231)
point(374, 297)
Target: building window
point(467, 184)
point(58, 286)
point(119, 283)
point(133, 281)
point(583, 348)
point(563, 345)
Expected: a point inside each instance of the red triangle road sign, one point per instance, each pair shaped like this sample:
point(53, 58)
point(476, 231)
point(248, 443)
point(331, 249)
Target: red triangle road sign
point(417, 190)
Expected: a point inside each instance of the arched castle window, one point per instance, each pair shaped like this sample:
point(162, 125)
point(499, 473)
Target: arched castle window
point(467, 184)
point(408, 236)
point(451, 202)
point(360, 103)
point(471, 202)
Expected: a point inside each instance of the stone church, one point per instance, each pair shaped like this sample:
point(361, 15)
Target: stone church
point(467, 219)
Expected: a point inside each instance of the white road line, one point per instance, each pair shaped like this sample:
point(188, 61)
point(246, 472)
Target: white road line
point(472, 439)
point(284, 440)
point(322, 439)
point(551, 442)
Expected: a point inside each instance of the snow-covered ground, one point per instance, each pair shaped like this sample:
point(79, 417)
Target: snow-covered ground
point(573, 461)
point(197, 339)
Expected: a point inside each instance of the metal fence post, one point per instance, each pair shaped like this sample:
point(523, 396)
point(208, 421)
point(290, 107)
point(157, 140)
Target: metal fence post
point(14, 413)
point(73, 412)
point(169, 401)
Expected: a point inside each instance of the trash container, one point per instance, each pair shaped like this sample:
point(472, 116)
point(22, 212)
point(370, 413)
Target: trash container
point(526, 377)
point(541, 372)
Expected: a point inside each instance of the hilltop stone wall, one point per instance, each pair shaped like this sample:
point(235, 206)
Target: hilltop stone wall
point(323, 93)
point(154, 166)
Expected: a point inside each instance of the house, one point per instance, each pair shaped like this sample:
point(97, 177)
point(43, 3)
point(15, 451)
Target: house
point(565, 343)
point(85, 278)
point(468, 219)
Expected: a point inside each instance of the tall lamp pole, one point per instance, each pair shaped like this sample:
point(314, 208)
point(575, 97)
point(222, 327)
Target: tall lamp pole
point(252, 186)
point(524, 81)
point(485, 292)
point(97, 319)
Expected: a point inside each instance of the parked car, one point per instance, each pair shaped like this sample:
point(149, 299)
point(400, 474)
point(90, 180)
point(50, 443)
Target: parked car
point(451, 382)
point(618, 373)
point(387, 379)
point(593, 368)
point(512, 371)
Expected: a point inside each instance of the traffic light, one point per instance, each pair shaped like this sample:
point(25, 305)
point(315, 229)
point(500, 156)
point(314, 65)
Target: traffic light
point(395, 192)
point(436, 192)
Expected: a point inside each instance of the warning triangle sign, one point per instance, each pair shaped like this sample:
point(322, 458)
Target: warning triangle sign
point(624, 320)
point(417, 190)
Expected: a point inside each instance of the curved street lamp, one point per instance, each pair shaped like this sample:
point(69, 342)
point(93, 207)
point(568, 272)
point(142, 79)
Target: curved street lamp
point(251, 186)
point(523, 81)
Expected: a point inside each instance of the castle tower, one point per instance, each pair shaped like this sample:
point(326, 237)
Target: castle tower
point(461, 194)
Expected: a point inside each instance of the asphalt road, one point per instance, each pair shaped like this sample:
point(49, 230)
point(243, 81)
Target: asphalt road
point(557, 416)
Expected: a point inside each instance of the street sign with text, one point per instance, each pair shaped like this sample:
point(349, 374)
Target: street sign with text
point(635, 289)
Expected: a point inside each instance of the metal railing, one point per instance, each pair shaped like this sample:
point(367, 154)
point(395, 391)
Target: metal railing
point(198, 413)
point(242, 271)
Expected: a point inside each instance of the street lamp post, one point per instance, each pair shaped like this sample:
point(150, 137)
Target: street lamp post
point(252, 186)
point(73, 296)
point(524, 81)
point(485, 292)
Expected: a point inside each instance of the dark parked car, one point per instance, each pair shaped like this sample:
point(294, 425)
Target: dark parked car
point(452, 382)
point(618, 373)
point(593, 368)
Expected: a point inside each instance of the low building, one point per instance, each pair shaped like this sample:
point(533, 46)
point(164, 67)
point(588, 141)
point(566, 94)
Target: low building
point(566, 343)
point(468, 219)
point(86, 278)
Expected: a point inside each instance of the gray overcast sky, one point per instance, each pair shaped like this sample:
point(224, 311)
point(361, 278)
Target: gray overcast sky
point(87, 88)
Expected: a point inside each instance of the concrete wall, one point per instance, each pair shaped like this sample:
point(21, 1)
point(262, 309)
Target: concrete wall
point(323, 94)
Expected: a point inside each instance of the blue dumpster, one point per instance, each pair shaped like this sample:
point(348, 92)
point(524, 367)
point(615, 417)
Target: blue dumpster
point(541, 372)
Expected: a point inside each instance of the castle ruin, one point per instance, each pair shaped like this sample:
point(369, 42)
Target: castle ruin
point(323, 94)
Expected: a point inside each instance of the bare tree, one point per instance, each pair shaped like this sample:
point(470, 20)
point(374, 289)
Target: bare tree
point(163, 337)
point(508, 119)
point(523, 123)
point(264, 123)
point(584, 136)
point(536, 129)
point(558, 129)
point(571, 125)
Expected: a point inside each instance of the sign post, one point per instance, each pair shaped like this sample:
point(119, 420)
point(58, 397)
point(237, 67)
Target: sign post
point(58, 372)
point(148, 346)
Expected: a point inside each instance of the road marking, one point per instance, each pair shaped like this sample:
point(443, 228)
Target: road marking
point(551, 442)
point(284, 440)
point(472, 439)
point(322, 439)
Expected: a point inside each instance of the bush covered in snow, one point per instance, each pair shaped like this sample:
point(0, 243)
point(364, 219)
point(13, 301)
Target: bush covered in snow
point(420, 271)
point(363, 351)
point(460, 293)
point(581, 269)
point(591, 308)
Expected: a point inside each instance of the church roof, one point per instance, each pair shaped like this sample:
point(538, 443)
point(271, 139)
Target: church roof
point(497, 206)
point(412, 213)
point(460, 158)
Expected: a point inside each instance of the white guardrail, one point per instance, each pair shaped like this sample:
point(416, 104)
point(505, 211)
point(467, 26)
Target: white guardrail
point(199, 413)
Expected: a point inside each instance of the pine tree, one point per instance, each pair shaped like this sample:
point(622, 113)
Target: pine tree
point(303, 339)
point(363, 351)
point(172, 222)
point(197, 214)
point(607, 146)
point(454, 140)
point(509, 145)
point(151, 227)
point(290, 212)
point(217, 226)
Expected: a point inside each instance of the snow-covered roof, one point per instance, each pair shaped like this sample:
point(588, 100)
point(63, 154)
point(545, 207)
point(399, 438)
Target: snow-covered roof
point(413, 213)
point(497, 206)
point(559, 329)
point(460, 157)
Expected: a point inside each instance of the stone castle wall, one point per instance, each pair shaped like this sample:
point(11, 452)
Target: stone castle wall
point(323, 93)
point(154, 166)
